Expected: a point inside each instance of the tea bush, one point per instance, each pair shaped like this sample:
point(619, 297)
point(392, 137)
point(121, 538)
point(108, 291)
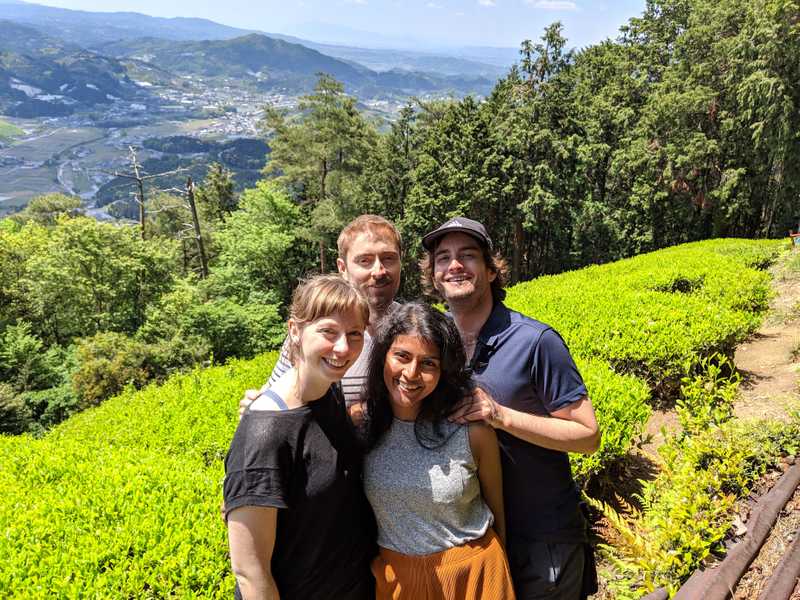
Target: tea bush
point(122, 500)
point(651, 314)
point(686, 511)
point(621, 403)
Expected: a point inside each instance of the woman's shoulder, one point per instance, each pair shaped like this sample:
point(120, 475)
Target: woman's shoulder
point(481, 436)
point(269, 400)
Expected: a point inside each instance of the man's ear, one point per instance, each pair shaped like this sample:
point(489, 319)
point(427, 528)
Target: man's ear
point(341, 266)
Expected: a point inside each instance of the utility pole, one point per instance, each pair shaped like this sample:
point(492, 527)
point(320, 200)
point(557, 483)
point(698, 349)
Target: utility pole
point(196, 222)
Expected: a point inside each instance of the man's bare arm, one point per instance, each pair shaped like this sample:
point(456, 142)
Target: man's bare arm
point(570, 429)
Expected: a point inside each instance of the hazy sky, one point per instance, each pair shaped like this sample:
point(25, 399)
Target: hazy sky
point(399, 22)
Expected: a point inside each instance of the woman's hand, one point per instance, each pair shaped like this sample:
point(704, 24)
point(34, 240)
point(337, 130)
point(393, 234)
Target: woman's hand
point(249, 397)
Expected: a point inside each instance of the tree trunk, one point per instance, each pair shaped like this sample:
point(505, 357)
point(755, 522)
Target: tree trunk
point(516, 251)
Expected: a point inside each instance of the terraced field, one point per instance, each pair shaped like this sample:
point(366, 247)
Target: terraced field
point(123, 500)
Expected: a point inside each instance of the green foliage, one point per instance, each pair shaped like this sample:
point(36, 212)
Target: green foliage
point(216, 196)
point(46, 209)
point(127, 495)
point(88, 276)
point(633, 314)
point(259, 246)
point(686, 510)
point(50, 406)
point(621, 404)
point(107, 362)
point(24, 362)
point(237, 330)
point(319, 157)
point(706, 398)
point(15, 417)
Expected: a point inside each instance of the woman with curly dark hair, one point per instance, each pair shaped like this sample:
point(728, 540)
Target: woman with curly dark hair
point(435, 486)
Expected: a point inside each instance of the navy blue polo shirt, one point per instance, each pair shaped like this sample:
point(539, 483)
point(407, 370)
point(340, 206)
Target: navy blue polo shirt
point(525, 365)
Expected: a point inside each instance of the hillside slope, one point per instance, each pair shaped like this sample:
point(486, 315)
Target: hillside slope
point(93, 28)
point(123, 500)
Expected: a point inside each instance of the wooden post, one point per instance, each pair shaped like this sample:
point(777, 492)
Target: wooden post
point(197, 235)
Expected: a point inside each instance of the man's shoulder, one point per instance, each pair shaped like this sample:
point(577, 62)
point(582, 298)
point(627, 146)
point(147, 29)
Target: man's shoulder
point(526, 324)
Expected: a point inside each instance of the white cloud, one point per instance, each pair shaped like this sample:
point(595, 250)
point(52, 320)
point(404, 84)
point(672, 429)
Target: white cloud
point(355, 1)
point(553, 4)
point(458, 14)
point(433, 5)
point(487, 2)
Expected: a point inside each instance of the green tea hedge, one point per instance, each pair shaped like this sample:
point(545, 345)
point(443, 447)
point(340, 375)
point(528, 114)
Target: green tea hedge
point(652, 314)
point(122, 500)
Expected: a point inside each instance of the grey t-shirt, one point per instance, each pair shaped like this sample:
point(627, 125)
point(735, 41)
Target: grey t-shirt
point(425, 500)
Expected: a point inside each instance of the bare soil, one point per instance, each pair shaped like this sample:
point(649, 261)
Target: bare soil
point(769, 360)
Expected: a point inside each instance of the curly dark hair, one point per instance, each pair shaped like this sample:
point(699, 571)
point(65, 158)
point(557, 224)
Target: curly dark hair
point(455, 381)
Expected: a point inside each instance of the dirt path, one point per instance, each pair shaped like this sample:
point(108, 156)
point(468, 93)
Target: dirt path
point(770, 370)
point(770, 360)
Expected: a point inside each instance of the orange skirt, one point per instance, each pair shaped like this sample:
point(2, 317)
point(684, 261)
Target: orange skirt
point(478, 570)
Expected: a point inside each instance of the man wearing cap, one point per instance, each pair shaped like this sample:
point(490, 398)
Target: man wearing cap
point(535, 399)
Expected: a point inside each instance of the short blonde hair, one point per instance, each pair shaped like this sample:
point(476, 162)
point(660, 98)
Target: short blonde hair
point(372, 224)
point(322, 296)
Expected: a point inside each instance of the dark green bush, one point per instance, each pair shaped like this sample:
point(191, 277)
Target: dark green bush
point(237, 330)
point(24, 363)
point(107, 362)
point(15, 417)
point(51, 406)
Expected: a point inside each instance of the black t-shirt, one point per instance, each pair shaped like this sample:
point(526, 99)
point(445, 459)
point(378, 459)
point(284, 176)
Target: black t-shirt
point(306, 462)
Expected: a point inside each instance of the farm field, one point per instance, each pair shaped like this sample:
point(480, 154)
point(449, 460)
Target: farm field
point(60, 156)
point(123, 500)
point(9, 131)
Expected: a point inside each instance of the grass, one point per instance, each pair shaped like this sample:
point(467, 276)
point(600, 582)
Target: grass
point(9, 131)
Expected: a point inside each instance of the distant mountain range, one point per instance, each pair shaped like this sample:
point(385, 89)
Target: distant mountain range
point(93, 29)
point(272, 63)
point(54, 61)
point(42, 76)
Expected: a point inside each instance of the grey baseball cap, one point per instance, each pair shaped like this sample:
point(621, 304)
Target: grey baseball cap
point(458, 225)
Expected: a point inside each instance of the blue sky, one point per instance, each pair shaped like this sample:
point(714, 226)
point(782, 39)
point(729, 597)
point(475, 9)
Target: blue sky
point(407, 23)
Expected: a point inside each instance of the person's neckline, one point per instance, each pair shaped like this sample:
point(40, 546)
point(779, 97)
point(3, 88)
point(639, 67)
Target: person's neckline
point(399, 420)
point(284, 411)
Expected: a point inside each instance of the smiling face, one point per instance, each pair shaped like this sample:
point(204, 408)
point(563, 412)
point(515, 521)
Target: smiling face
point(328, 346)
point(460, 271)
point(373, 265)
point(411, 371)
